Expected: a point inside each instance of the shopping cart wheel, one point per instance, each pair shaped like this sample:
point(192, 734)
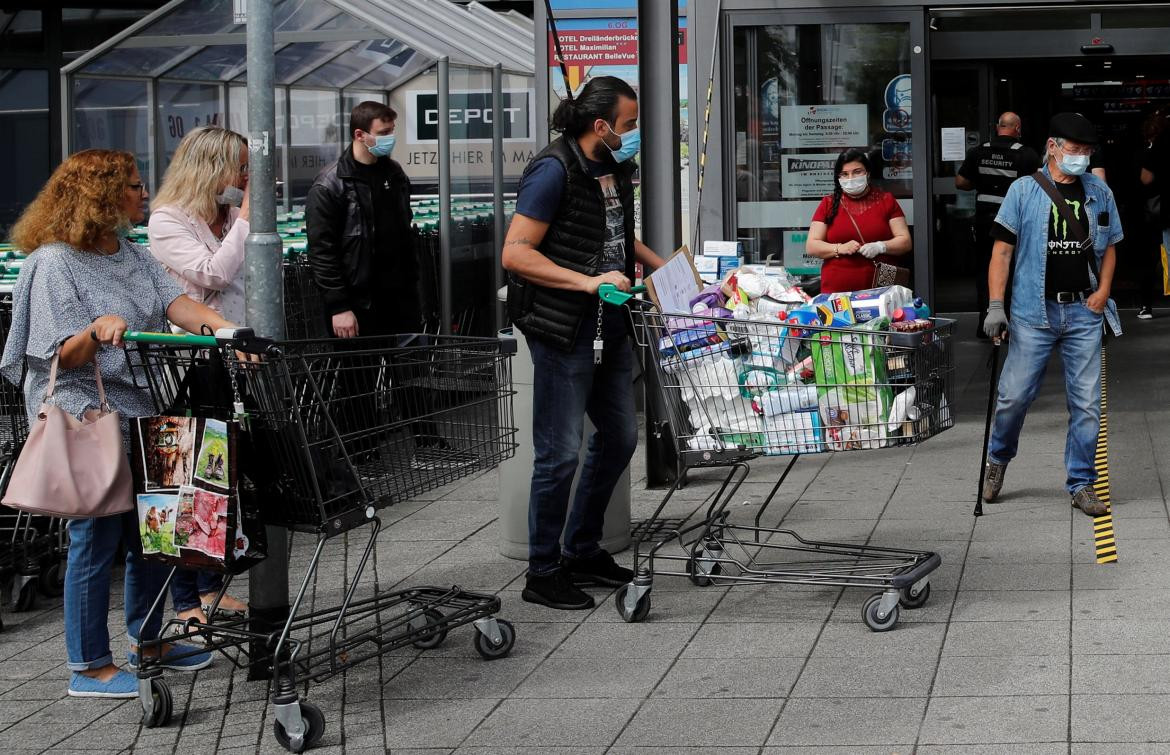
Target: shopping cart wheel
point(52, 580)
point(314, 721)
point(26, 598)
point(433, 634)
point(908, 601)
point(869, 613)
point(491, 650)
point(162, 704)
point(641, 607)
point(701, 575)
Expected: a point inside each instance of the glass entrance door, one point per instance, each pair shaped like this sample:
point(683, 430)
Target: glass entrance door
point(807, 85)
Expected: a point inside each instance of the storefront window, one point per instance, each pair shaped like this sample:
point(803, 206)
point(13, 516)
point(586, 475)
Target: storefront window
point(183, 108)
point(112, 114)
point(803, 93)
point(24, 129)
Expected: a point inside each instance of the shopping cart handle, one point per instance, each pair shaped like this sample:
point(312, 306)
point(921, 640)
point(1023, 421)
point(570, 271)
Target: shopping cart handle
point(222, 336)
point(611, 294)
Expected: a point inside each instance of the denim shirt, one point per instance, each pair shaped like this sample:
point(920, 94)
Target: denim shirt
point(1025, 212)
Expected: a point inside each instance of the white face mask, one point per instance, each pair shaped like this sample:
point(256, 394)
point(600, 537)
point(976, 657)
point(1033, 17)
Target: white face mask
point(854, 186)
point(232, 196)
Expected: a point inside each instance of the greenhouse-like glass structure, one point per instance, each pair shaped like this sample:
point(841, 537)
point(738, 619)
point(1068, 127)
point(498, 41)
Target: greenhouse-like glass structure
point(185, 65)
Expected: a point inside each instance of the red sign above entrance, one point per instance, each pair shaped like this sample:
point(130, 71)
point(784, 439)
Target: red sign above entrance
point(585, 48)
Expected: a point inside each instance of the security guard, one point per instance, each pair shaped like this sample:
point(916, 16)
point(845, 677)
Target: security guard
point(990, 169)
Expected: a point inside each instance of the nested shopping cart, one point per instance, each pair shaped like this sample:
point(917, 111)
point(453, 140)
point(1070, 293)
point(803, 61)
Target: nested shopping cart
point(304, 312)
point(32, 547)
point(736, 390)
point(337, 429)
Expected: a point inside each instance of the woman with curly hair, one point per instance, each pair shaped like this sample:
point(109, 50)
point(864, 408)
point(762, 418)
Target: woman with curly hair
point(855, 227)
point(82, 287)
point(197, 229)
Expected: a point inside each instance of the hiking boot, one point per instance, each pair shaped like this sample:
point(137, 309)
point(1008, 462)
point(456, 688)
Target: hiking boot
point(993, 480)
point(1087, 501)
point(597, 570)
point(555, 591)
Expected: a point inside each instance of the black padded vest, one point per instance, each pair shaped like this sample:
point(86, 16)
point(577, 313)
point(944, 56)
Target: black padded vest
point(575, 240)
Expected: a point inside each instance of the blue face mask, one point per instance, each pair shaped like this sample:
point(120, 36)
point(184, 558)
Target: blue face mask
point(631, 143)
point(1073, 165)
point(383, 145)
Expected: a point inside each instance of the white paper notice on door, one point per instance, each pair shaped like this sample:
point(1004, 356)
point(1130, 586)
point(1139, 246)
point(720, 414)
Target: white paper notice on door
point(954, 143)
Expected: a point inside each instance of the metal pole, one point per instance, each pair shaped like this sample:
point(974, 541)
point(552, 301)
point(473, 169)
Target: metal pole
point(268, 581)
point(444, 195)
point(498, 190)
point(661, 190)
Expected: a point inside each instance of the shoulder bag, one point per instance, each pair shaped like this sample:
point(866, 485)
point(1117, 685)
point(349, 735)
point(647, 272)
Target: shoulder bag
point(72, 468)
point(884, 274)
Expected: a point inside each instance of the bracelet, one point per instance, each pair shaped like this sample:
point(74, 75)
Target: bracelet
point(836, 250)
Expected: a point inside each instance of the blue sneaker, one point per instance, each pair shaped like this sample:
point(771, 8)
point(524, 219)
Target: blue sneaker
point(178, 658)
point(121, 685)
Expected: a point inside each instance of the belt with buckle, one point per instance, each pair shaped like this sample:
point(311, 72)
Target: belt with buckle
point(1068, 297)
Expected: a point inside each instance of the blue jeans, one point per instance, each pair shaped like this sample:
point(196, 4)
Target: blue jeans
point(189, 584)
point(1076, 330)
point(566, 386)
point(93, 543)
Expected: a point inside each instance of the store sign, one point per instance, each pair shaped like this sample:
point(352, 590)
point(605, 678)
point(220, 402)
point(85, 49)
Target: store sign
point(796, 260)
point(897, 117)
point(470, 115)
point(823, 126)
point(807, 176)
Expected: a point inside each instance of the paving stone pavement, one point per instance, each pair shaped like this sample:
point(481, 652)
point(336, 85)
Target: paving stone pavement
point(1026, 646)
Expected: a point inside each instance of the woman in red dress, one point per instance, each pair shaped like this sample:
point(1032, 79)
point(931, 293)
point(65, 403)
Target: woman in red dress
point(855, 227)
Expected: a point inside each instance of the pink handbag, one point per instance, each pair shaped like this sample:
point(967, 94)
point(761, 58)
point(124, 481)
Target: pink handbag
point(70, 468)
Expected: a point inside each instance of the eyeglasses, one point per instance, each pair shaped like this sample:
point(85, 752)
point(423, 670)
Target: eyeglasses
point(138, 187)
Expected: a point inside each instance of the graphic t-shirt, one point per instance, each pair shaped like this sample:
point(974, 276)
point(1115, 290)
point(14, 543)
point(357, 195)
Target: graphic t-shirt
point(1065, 268)
point(539, 197)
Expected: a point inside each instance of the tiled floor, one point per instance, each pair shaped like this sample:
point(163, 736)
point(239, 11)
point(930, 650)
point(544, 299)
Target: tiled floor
point(1026, 645)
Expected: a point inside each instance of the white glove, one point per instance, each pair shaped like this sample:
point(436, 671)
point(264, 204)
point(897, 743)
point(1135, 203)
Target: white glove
point(872, 249)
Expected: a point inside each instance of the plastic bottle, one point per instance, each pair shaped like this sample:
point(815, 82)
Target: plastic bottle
point(787, 399)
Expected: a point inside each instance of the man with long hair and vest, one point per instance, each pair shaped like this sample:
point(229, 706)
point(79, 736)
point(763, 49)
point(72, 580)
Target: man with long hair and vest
point(572, 231)
point(1061, 225)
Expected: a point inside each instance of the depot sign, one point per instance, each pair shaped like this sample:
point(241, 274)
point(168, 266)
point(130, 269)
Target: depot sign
point(470, 115)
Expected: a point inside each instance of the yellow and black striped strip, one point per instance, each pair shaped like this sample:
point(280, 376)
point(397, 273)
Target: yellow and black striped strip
point(1103, 538)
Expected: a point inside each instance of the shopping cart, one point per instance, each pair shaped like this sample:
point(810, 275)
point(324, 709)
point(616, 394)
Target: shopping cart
point(304, 314)
point(340, 429)
point(735, 390)
point(32, 547)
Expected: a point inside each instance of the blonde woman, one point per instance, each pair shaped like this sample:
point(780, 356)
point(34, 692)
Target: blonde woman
point(197, 229)
point(82, 287)
point(199, 220)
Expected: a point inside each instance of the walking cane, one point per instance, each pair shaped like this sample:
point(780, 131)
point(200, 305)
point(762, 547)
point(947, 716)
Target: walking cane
point(991, 394)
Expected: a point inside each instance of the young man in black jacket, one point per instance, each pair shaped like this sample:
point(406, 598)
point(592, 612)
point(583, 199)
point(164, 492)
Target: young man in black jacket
point(574, 230)
point(361, 239)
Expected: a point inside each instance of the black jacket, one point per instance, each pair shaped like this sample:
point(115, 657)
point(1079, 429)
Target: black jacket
point(339, 217)
point(575, 240)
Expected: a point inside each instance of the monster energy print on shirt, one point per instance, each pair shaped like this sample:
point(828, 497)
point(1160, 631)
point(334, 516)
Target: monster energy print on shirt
point(1065, 268)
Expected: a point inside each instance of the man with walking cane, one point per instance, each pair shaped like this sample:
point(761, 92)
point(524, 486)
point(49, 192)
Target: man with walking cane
point(1062, 224)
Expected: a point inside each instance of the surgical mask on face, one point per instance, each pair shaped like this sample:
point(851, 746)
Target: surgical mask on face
point(854, 186)
point(232, 196)
point(631, 143)
point(1072, 165)
point(383, 145)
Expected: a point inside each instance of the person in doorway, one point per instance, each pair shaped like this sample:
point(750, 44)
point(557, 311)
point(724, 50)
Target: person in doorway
point(989, 170)
point(81, 288)
point(574, 230)
point(855, 227)
point(197, 230)
point(1060, 298)
point(1155, 176)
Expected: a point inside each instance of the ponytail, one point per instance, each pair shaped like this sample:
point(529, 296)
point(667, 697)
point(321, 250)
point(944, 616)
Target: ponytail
point(598, 99)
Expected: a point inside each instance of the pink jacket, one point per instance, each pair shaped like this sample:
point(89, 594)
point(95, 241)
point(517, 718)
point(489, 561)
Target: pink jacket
point(210, 271)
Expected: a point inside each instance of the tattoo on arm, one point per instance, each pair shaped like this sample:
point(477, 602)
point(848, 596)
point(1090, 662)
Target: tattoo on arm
point(522, 241)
